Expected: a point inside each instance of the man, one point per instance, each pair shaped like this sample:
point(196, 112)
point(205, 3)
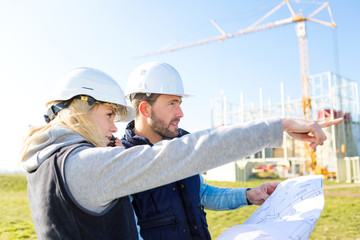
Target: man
point(176, 210)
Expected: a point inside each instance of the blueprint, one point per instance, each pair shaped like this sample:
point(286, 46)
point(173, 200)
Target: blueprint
point(289, 213)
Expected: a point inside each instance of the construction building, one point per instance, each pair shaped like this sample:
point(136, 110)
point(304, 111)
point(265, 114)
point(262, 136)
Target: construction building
point(332, 96)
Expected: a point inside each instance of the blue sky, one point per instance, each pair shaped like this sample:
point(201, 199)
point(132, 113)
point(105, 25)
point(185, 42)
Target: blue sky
point(41, 40)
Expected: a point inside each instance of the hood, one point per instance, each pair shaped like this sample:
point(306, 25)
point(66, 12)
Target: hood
point(53, 139)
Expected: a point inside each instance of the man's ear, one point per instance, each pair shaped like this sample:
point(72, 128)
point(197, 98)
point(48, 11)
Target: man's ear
point(145, 109)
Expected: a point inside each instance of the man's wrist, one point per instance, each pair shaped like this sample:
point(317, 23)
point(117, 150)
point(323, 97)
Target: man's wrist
point(248, 202)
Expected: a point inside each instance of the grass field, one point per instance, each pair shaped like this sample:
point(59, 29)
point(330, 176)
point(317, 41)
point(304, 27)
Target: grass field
point(15, 217)
point(339, 219)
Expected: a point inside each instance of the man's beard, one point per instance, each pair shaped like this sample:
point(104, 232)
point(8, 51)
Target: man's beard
point(161, 128)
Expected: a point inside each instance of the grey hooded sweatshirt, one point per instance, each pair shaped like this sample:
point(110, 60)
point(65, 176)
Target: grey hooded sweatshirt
point(96, 176)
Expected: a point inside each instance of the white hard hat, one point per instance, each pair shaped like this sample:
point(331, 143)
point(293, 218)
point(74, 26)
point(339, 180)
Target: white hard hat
point(155, 77)
point(94, 83)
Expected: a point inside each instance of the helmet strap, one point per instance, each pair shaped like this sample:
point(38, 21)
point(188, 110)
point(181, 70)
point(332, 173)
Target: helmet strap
point(54, 109)
point(132, 95)
point(88, 99)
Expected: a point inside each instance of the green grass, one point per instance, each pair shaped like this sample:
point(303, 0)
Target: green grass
point(15, 217)
point(339, 219)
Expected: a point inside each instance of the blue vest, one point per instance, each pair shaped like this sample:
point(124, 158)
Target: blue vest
point(172, 211)
point(57, 216)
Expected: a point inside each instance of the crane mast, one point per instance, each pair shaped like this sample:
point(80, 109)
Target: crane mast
point(306, 97)
point(304, 69)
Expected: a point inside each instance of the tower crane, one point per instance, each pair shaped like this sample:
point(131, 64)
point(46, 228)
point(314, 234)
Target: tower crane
point(297, 18)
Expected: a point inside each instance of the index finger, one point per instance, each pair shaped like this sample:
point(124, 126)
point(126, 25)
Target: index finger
point(329, 123)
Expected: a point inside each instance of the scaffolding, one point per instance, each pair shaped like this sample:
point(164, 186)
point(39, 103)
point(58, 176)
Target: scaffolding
point(332, 96)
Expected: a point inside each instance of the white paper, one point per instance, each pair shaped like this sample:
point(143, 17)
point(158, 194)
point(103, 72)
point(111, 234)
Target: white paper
point(290, 212)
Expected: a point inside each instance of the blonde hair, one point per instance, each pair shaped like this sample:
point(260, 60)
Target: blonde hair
point(76, 118)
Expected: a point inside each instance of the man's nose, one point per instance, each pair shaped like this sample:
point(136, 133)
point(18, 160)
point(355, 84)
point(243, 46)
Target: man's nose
point(179, 113)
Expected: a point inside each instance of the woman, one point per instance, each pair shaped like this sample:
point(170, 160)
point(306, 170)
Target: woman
point(78, 187)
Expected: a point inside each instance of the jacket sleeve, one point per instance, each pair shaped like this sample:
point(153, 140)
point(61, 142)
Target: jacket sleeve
point(217, 198)
point(97, 176)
